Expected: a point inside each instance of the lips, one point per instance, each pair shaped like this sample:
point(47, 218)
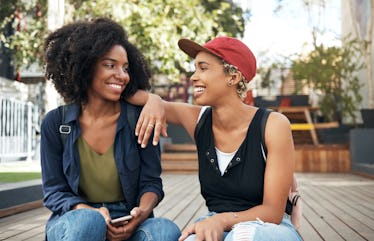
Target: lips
point(198, 91)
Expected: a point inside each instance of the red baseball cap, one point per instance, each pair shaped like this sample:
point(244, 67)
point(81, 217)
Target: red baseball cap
point(232, 50)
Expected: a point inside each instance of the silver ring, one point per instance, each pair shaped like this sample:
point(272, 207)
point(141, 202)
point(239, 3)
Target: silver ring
point(150, 125)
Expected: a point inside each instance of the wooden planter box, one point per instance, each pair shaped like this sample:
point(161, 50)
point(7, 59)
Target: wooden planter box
point(322, 158)
point(309, 158)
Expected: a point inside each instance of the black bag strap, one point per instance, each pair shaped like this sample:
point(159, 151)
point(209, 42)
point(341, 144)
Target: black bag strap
point(65, 128)
point(132, 118)
point(201, 121)
point(264, 119)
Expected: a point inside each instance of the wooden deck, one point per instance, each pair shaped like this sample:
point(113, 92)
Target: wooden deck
point(336, 207)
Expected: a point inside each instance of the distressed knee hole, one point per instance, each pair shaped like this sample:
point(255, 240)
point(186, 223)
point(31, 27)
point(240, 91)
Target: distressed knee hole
point(244, 232)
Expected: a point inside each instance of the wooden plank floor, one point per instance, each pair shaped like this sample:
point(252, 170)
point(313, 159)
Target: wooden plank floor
point(336, 207)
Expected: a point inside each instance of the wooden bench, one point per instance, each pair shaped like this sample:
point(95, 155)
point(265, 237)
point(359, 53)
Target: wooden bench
point(302, 126)
point(179, 158)
point(336, 207)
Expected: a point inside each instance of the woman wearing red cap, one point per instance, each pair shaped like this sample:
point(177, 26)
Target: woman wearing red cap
point(246, 197)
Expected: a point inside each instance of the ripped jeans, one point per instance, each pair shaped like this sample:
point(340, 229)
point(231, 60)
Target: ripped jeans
point(88, 224)
point(258, 231)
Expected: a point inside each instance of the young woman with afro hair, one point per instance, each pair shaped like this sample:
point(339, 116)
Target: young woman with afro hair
point(98, 171)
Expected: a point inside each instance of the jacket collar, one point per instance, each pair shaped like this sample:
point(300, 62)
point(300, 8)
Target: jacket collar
point(72, 113)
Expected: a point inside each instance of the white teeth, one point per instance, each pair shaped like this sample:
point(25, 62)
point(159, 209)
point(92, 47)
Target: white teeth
point(115, 86)
point(199, 89)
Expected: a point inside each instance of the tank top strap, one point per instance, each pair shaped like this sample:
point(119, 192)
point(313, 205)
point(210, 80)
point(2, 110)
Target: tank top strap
point(256, 121)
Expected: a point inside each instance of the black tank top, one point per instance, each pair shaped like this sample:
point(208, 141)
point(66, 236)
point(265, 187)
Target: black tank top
point(241, 187)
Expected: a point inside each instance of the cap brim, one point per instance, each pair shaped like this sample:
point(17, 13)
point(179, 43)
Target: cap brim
point(191, 48)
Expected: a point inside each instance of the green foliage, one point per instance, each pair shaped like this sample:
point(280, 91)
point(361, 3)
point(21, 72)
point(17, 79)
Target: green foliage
point(154, 26)
point(332, 73)
point(229, 16)
point(22, 30)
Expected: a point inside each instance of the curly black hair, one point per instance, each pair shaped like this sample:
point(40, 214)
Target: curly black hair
point(72, 51)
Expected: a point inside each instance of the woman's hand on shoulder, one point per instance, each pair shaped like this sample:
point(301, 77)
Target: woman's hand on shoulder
point(152, 119)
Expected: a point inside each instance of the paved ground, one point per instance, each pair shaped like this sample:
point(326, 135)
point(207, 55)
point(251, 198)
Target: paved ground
point(20, 166)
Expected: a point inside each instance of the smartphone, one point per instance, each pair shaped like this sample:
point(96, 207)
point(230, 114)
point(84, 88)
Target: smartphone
point(120, 220)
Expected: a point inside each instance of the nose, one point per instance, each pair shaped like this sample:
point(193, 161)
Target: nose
point(122, 74)
point(194, 77)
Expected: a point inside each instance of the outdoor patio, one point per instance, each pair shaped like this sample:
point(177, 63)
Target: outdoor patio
point(335, 207)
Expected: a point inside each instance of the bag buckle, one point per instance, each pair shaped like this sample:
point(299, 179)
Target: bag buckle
point(65, 129)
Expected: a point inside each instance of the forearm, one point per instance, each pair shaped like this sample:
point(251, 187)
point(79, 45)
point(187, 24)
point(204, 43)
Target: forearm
point(58, 196)
point(259, 213)
point(60, 202)
point(147, 203)
point(156, 112)
point(141, 97)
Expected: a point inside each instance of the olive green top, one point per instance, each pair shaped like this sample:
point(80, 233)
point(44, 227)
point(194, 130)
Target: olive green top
point(99, 180)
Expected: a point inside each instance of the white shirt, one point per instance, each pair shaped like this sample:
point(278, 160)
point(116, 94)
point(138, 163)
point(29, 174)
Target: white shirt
point(223, 158)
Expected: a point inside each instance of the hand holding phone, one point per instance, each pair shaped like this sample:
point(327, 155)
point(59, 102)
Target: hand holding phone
point(121, 220)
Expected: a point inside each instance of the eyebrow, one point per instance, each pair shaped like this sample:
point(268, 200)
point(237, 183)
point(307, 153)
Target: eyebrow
point(113, 60)
point(202, 62)
point(110, 59)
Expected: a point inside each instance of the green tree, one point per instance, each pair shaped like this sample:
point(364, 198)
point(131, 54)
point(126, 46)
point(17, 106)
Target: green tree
point(332, 73)
point(154, 26)
point(22, 29)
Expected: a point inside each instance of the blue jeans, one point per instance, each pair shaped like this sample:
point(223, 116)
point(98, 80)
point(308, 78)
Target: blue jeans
point(88, 224)
point(258, 231)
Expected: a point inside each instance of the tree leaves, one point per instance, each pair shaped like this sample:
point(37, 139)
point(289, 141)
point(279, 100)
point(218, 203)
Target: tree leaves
point(153, 26)
point(332, 73)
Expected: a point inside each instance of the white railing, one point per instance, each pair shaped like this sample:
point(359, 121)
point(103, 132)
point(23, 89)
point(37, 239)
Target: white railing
point(18, 121)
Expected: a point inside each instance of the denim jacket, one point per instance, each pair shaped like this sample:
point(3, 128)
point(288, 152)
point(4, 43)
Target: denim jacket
point(139, 169)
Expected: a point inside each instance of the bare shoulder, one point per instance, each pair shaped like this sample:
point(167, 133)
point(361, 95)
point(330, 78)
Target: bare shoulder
point(279, 140)
point(277, 120)
point(278, 128)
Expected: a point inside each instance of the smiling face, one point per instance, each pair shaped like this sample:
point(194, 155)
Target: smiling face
point(111, 75)
point(209, 79)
